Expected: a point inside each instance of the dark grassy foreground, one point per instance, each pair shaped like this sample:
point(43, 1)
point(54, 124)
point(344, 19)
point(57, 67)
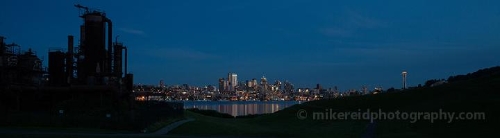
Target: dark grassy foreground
point(479, 94)
point(475, 95)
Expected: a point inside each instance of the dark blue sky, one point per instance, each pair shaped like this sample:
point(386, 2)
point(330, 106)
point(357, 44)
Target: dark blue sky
point(334, 43)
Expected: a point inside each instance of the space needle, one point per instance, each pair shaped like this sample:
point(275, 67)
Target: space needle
point(404, 73)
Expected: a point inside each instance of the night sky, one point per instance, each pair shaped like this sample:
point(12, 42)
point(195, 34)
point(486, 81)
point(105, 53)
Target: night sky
point(334, 43)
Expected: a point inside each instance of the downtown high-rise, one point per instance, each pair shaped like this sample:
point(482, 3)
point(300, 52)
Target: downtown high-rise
point(232, 79)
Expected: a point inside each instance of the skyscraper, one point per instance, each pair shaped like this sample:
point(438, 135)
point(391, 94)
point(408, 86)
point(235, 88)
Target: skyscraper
point(254, 83)
point(288, 87)
point(162, 84)
point(221, 85)
point(263, 82)
point(232, 80)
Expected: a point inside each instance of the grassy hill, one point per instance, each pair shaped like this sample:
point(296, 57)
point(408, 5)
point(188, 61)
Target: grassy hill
point(476, 93)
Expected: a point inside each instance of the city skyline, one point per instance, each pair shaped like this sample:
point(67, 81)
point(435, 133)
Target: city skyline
point(231, 82)
point(344, 44)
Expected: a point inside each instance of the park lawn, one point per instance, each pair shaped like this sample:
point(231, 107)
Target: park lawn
point(79, 136)
point(271, 125)
point(69, 130)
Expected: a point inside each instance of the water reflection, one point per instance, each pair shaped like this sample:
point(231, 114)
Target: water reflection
point(239, 108)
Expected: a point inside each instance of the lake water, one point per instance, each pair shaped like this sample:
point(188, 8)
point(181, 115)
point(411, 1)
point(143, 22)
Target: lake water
point(238, 108)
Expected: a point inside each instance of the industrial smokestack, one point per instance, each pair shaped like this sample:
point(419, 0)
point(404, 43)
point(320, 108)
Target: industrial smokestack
point(1, 40)
point(2, 49)
point(69, 59)
point(126, 58)
point(118, 60)
point(82, 33)
point(110, 45)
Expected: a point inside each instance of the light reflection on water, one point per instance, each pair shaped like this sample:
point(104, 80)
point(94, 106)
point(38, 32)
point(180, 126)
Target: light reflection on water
point(239, 108)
